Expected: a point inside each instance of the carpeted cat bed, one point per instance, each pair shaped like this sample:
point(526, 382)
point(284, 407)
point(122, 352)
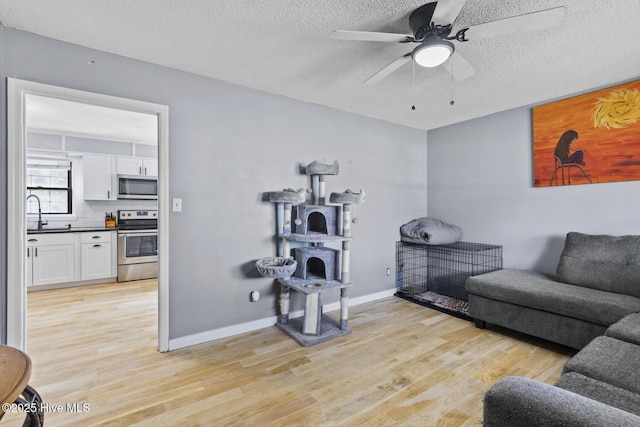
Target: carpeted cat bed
point(444, 301)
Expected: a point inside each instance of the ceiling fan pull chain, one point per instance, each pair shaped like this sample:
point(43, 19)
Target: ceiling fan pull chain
point(452, 83)
point(413, 94)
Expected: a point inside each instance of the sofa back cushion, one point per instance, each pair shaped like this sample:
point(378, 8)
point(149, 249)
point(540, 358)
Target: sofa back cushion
point(608, 263)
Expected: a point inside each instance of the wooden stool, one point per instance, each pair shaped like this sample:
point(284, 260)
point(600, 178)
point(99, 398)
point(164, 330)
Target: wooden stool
point(15, 371)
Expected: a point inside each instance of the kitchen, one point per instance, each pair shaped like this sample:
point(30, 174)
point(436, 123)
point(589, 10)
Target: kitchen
point(92, 189)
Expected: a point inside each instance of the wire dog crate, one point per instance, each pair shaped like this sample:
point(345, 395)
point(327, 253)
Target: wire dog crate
point(434, 275)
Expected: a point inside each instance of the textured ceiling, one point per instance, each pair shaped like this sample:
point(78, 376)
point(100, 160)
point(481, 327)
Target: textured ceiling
point(283, 47)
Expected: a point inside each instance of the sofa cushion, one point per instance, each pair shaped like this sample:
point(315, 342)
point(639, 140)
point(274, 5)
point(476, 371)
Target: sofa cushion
point(536, 290)
point(609, 360)
point(554, 327)
point(608, 263)
point(626, 329)
point(600, 391)
point(518, 401)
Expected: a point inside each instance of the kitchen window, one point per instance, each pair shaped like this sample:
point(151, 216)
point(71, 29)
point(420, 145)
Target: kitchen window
point(50, 180)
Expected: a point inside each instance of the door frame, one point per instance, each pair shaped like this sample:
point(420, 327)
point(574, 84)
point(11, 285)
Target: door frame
point(16, 202)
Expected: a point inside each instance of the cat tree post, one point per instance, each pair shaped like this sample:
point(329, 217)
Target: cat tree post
point(315, 189)
point(321, 190)
point(286, 231)
point(279, 227)
point(347, 198)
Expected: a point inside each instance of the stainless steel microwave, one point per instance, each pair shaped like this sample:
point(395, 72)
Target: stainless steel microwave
point(137, 187)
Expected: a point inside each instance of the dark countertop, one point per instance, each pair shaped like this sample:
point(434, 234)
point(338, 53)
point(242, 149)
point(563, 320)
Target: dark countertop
point(50, 230)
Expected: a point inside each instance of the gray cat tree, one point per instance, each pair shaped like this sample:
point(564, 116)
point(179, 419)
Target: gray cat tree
point(306, 263)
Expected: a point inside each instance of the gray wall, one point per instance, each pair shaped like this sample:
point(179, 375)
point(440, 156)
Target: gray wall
point(228, 145)
point(480, 178)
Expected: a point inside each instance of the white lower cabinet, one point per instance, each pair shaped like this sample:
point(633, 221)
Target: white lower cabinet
point(96, 255)
point(56, 258)
point(50, 259)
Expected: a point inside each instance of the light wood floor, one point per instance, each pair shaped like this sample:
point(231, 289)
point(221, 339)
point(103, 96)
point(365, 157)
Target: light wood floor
point(403, 365)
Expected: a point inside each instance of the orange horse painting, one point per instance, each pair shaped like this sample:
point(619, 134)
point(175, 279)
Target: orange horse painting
point(588, 138)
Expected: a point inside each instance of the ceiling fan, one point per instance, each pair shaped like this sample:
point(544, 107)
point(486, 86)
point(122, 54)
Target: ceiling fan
point(432, 26)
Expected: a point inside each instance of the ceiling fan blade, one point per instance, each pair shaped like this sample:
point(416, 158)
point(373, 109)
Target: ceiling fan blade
point(459, 67)
point(369, 36)
point(447, 11)
point(531, 21)
point(388, 69)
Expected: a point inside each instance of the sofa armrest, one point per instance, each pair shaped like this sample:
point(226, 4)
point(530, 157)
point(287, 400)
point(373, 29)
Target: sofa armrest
point(518, 401)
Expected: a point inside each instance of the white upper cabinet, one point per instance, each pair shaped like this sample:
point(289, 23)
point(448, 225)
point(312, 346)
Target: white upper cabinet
point(137, 166)
point(97, 174)
point(150, 167)
point(129, 166)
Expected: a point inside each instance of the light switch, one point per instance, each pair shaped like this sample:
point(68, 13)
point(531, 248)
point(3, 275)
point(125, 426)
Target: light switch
point(177, 205)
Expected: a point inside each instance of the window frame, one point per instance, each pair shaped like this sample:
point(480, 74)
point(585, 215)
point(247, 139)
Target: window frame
point(68, 189)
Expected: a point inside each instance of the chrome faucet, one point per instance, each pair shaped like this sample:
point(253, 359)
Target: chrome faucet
point(40, 223)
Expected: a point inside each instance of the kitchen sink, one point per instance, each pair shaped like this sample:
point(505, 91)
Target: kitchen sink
point(50, 229)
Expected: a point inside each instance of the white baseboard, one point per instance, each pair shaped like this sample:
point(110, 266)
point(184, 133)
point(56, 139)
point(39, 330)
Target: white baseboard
point(241, 328)
point(225, 332)
point(326, 308)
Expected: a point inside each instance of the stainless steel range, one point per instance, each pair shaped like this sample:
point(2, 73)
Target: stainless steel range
point(137, 245)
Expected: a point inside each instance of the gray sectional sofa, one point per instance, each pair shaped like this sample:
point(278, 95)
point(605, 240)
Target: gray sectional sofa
point(597, 283)
point(600, 386)
point(592, 304)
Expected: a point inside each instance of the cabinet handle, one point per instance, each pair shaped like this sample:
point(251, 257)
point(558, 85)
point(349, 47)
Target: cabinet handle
point(36, 250)
point(95, 237)
point(108, 194)
point(32, 240)
point(97, 246)
point(145, 170)
point(140, 170)
point(28, 252)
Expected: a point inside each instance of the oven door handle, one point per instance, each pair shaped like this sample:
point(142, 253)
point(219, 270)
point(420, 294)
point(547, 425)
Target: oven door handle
point(142, 233)
point(127, 236)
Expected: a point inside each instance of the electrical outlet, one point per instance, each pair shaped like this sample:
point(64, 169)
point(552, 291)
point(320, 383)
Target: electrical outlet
point(177, 205)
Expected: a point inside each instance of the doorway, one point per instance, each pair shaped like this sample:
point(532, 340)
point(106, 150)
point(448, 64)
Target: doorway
point(18, 91)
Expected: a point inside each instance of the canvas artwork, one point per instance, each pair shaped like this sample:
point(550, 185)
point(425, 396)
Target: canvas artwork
point(589, 138)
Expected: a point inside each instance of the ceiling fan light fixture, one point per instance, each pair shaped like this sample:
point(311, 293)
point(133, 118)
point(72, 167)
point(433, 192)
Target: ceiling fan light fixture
point(432, 52)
